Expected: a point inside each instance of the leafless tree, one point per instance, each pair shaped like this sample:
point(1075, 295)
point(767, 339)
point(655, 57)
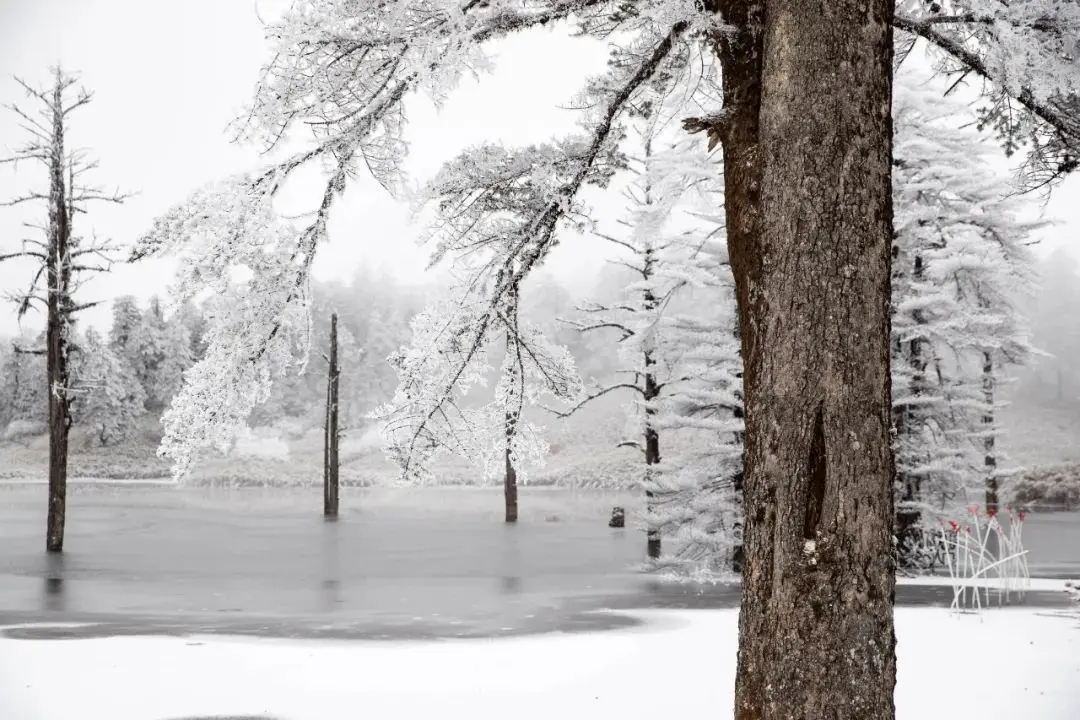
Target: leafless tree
point(62, 260)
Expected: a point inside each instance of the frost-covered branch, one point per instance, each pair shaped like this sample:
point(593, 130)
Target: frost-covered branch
point(960, 271)
point(500, 211)
point(1027, 52)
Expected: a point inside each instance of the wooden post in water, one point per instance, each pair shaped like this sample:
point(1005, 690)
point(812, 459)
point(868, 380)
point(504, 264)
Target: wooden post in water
point(331, 435)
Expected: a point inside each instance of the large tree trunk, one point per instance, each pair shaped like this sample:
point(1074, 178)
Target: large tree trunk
point(58, 270)
point(815, 629)
point(738, 46)
point(738, 482)
point(330, 448)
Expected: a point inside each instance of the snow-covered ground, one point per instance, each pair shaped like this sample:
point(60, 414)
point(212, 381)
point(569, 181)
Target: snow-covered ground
point(1012, 663)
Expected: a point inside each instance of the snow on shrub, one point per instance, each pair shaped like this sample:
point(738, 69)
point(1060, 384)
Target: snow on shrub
point(261, 443)
point(1055, 488)
point(19, 429)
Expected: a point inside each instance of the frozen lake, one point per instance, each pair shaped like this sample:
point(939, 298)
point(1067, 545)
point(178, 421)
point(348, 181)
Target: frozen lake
point(398, 564)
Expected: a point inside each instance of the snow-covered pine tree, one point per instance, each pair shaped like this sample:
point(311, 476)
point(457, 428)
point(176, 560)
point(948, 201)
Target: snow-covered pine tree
point(1025, 51)
point(673, 322)
point(258, 324)
point(24, 383)
point(636, 321)
point(343, 70)
point(7, 369)
point(126, 324)
point(158, 350)
point(435, 408)
point(192, 318)
point(960, 270)
point(109, 398)
point(163, 349)
point(699, 501)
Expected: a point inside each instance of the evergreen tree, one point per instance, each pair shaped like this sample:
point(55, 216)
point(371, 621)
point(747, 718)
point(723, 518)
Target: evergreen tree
point(673, 322)
point(126, 324)
point(960, 270)
point(160, 350)
point(699, 501)
point(110, 398)
point(24, 384)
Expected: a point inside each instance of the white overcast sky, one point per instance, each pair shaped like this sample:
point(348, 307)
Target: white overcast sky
point(168, 75)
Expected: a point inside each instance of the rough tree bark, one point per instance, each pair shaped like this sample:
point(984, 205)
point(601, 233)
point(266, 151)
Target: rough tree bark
point(738, 482)
point(58, 328)
point(331, 436)
point(807, 139)
point(990, 455)
point(738, 46)
point(651, 391)
point(510, 487)
point(510, 491)
point(62, 259)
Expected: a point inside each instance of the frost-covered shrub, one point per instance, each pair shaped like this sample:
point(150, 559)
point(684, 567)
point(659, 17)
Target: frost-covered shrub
point(1051, 488)
point(290, 428)
point(19, 429)
point(261, 443)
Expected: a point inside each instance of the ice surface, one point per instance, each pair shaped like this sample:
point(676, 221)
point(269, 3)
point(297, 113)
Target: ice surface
point(1003, 664)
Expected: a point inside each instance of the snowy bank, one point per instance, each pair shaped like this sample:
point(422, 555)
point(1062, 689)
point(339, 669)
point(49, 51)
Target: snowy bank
point(681, 664)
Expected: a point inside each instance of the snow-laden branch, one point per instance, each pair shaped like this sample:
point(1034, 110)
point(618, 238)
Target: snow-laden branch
point(499, 213)
point(1028, 52)
point(423, 420)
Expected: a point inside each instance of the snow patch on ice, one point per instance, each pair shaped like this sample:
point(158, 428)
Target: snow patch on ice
point(683, 667)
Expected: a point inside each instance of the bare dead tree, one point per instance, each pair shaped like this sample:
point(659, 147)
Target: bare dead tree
point(63, 261)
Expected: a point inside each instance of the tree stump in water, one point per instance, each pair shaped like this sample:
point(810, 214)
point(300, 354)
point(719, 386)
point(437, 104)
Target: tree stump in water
point(618, 518)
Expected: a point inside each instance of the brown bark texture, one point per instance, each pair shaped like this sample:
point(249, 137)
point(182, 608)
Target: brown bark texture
point(510, 489)
point(331, 485)
point(989, 453)
point(806, 132)
point(738, 47)
point(651, 392)
point(58, 328)
point(510, 484)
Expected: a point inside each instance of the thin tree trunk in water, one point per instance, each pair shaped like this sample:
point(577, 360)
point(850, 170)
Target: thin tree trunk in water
point(510, 491)
point(816, 634)
point(56, 336)
point(651, 393)
point(510, 488)
point(330, 453)
point(652, 449)
point(990, 460)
